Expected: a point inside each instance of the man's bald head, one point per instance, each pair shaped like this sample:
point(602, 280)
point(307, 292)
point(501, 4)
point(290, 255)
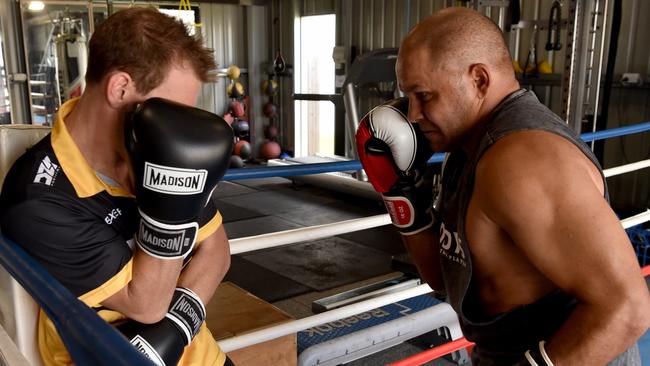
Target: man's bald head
point(459, 37)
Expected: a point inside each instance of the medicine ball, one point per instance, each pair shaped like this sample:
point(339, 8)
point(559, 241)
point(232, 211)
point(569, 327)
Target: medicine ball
point(243, 149)
point(237, 108)
point(236, 162)
point(240, 127)
point(235, 90)
point(269, 87)
point(270, 110)
point(233, 72)
point(270, 150)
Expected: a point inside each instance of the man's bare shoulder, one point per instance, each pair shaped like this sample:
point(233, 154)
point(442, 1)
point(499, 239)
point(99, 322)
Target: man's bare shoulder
point(531, 168)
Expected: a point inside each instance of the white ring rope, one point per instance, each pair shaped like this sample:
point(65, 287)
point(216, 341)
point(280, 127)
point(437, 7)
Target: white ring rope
point(279, 238)
point(636, 219)
point(294, 326)
point(269, 240)
point(626, 168)
point(250, 243)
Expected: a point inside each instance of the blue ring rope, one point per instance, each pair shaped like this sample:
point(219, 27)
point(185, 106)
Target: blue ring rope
point(354, 165)
point(78, 325)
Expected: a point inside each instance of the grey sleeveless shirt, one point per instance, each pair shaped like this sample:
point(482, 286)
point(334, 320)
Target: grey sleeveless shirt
point(501, 339)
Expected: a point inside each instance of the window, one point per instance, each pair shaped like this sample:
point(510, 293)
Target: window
point(189, 17)
point(315, 40)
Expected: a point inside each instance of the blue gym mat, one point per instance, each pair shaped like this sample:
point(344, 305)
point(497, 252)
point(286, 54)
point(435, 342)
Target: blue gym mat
point(325, 332)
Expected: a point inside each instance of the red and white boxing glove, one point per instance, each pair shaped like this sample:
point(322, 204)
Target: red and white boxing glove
point(394, 154)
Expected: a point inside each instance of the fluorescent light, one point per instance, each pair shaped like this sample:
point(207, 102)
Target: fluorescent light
point(36, 5)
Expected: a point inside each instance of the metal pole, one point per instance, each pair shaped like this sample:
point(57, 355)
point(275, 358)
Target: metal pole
point(591, 50)
point(350, 101)
point(572, 46)
point(383, 27)
point(502, 17)
point(371, 22)
point(601, 58)
point(16, 62)
point(634, 22)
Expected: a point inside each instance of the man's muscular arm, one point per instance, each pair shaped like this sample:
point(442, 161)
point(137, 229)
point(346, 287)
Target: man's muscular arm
point(142, 302)
point(208, 266)
point(168, 229)
point(423, 250)
point(394, 154)
point(147, 296)
point(548, 197)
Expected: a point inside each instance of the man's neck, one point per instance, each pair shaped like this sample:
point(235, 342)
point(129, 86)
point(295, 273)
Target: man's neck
point(98, 131)
point(486, 113)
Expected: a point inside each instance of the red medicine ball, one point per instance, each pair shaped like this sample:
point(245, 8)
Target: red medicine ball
point(237, 108)
point(270, 150)
point(243, 149)
point(270, 110)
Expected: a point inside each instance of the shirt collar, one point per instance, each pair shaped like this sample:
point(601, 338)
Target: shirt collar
point(81, 175)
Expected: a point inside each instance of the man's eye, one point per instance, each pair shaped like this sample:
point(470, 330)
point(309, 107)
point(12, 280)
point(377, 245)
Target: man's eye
point(423, 95)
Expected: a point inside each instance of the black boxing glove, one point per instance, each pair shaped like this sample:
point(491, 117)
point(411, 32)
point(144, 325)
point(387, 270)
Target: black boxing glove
point(178, 154)
point(163, 342)
point(394, 155)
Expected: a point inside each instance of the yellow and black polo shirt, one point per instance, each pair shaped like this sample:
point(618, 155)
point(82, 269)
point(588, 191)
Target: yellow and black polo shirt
point(79, 226)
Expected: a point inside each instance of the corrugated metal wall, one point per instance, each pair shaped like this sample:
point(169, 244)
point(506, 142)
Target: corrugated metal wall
point(630, 105)
point(224, 31)
point(371, 24)
point(374, 23)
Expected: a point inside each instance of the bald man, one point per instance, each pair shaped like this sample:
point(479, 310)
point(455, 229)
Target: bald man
point(525, 244)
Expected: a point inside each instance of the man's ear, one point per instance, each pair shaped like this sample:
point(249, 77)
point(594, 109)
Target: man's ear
point(480, 75)
point(120, 89)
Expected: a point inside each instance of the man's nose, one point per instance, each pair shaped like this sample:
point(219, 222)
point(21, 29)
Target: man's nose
point(415, 112)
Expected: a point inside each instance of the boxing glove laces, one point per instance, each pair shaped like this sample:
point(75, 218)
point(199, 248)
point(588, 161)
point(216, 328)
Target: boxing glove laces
point(163, 342)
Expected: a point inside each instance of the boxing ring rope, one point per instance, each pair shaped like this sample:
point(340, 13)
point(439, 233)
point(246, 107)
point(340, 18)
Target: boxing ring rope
point(278, 238)
point(626, 168)
point(270, 240)
point(447, 314)
point(435, 352)
point(637, 219)
point(453, 346)
point(354, 165)
point(241, 245)
point(231, 344)
point(80, 327)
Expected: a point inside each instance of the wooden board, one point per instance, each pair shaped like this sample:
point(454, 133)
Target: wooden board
point(233, 311)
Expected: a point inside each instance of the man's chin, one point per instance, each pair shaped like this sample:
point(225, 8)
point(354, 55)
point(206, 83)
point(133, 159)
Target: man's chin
point(439, 146)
